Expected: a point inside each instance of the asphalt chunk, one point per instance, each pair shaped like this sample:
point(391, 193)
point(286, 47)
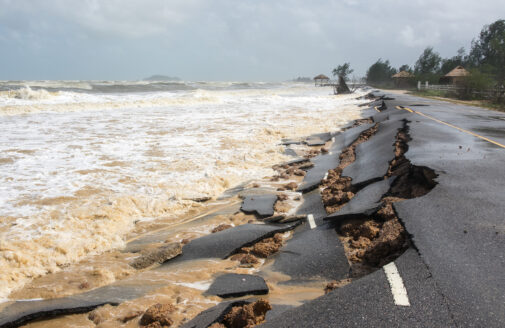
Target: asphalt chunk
point(366, 202)
point(157, 255)
point(312, 204)
point(225, 243)
point(314, 176)
point(325, 162)
point(237, 285)
point(312, 255)
point(213, 315)
point(373, 156)
point(20, 313)
point(262, 205)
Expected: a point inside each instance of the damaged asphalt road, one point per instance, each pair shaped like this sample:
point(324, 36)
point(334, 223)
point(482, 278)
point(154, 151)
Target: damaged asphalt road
point(452, 271)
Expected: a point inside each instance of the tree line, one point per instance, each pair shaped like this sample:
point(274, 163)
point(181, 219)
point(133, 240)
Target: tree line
point(485, 61)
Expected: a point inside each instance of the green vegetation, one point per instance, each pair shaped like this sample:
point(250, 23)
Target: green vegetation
point(405, 68)
point(343, 71)
point(485, 62)
point(448, 64)
point(488, 52)
point(380, 73)
point(427, 66)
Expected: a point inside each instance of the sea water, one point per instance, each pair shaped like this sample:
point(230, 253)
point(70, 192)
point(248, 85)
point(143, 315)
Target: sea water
point(82, 162)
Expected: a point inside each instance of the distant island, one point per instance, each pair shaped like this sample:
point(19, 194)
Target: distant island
point(303, 79)
point(162, 78)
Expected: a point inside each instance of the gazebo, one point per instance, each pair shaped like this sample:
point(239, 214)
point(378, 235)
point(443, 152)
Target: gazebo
point(321, 80)
point(403, 79)
point(456, 76)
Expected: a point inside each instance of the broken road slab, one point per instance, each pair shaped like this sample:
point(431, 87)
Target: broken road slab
point(366, 202)
point(368, 302)
point(262, 205)
point(237, 285)
point(374, 155)
point(225, 243)
point(21, 312)
point(314, 254)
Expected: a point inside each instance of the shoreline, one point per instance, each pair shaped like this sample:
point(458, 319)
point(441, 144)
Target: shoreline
point(364, 227)
point(269, 184)
point(105, 178)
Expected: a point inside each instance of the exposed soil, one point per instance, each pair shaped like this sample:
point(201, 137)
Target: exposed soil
point(245, 259)
point(312, 153)
point(282, 207)
point(263, 248)
point(245, 316)
point(374, 241)
point(337, 190)
point(412, 181)
point(362, 121)
point(336, 284)
point(158, 315)
point(291, 186)
point(291, 171)
point(156, 255)
point(282, 197)
point(221, 227)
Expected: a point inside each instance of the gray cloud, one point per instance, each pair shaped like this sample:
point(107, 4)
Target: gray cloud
point(226, 39)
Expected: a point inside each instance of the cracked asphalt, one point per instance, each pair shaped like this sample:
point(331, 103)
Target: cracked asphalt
point(453, 273)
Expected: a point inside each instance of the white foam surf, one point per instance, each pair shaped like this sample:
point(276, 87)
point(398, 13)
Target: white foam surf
point(73, 183)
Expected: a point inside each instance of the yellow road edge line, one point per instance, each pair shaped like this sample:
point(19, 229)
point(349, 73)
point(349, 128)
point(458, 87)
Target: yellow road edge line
point(452, 126)
point(181, 223)
point(405, 108)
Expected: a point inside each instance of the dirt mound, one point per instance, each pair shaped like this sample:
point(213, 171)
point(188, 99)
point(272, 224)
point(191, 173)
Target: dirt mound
point(336, 284)
point(221, 227)
point(362, 121)
point(245, 316)
point(245, 258)
point(376, 240)
point(263, 248)
point(291, 170)
point(157, 315)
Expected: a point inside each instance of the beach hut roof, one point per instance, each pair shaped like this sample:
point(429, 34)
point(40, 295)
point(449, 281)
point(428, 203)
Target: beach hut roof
point(403, 74)
point(458, 71)
point(321, 77)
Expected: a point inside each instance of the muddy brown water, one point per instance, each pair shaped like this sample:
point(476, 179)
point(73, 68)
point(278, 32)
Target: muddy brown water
point(185, 282)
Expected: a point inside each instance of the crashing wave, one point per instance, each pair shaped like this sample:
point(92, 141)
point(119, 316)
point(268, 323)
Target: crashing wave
point(27, 93)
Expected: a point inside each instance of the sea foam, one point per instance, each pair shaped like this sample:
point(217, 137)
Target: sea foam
point(81, 169)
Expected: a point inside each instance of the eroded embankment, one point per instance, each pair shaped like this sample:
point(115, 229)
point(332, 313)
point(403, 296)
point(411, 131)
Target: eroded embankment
point(337, 189)
point(372, 241)
point(369, 242)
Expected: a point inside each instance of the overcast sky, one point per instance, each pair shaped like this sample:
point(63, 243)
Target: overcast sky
point(239, 40)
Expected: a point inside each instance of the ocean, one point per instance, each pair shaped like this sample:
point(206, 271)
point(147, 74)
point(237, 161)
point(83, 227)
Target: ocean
point(82, 163)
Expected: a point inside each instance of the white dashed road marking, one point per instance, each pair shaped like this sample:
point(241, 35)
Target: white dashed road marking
point(397, 287)
point(312, 223)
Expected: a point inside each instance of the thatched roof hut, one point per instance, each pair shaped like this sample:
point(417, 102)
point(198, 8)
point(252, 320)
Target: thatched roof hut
point(457, 75)
point(403, 79)
point(402, 75)
point(321, 79)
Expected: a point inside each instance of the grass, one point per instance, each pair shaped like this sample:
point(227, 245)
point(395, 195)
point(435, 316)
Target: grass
point(442, 95)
